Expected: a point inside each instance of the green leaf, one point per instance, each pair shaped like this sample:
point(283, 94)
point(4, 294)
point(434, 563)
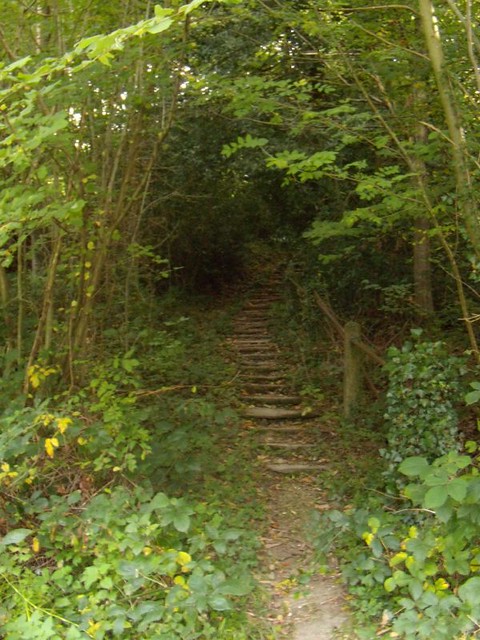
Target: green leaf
point(86, 43)
point(90, 575)
point(389, 585)
point(181, 522)
point(414, 466)
point(159, 26)
point(17, 64)
point(161, 12)
point(420, 549)
point(15, 536)
point(457, 489)
point(470, 591)
point(436, 497)
point(188, 8)
point(416, 589)
point(473, 396)
point(471, 446)
point(219, 603)
point(251, 142)
point(240, 587)
point(159, 501)
point(374, 524)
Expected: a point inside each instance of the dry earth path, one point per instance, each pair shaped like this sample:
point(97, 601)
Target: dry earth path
point(285, 432)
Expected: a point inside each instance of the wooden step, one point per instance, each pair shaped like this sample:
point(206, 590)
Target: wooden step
point(274, 399)
point(248, 319)
point(275, 413)
point(251, 324)
point(264, 387)
point(255, 346)
point(252, 342)
point(262, 377)
point(259, 357)
point(249, 341)
point(254, 334)
point(300, 467)
point(254, 353)
point(260, 304)
point(255, 367)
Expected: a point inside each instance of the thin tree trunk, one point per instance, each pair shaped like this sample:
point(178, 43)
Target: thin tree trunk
point(422, 272)
point(466, 201)
point(420, 178)
point(48, 294)
point(4, 300)
point(20, 302)
point(422, 268)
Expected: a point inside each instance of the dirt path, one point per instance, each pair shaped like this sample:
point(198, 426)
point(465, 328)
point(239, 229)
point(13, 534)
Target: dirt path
point(301, 607)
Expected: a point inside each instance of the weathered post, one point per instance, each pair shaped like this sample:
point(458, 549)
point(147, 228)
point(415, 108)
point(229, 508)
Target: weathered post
point(352, 380)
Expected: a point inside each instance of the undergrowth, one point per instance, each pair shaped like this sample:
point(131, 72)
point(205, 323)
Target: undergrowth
point(406, 532)
point(409, 549)
point(119, 509)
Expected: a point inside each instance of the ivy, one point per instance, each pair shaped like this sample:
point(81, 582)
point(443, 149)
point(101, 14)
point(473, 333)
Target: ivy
point(421, 398)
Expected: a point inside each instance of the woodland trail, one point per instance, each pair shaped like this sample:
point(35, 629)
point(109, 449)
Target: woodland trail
point(285, 434)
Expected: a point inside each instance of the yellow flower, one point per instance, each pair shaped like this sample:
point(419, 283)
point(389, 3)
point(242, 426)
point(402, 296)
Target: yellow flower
point(183, 558)
point(368, 537)
point(93, 627)
point(441, 584)
point(63, 424)
point(50, 445)
point(33, 376)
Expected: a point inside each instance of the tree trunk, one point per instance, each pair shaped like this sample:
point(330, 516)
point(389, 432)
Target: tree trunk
point(422, 273)
point(465, 196)
point(422, 268)
point(43, 332)
point(352, 382)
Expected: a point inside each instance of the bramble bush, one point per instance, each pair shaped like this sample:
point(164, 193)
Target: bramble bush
point(125, 563)
point(89, 553)
point(419, 581)
point(91, 548)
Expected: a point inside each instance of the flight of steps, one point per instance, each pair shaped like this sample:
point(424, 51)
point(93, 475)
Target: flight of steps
point(286, 429)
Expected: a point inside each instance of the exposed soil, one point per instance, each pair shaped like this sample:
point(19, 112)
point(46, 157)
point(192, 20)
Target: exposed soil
point(316, 610)
point(304, 605)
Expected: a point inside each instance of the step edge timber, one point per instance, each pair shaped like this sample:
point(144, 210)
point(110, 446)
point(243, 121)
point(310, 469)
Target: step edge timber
point(272, 413)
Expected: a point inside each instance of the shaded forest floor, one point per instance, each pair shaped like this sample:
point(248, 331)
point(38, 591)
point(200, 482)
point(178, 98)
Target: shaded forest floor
point(228, 544)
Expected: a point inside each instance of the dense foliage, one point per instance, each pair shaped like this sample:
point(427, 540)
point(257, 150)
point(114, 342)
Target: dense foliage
point(421, 399)
point(152, 154)
point(415, 568)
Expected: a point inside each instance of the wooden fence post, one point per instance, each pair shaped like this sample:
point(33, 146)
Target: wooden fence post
point(352, 381)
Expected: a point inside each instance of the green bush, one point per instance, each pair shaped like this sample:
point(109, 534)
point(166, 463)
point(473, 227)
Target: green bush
point(418, 581)
point(126, 563)
point(89, 548)
point(420, 413)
